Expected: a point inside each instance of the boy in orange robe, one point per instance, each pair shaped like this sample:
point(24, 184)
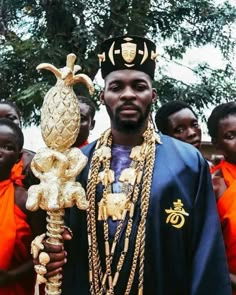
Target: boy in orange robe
point(9, 110)
point(18, 226)
point(222, 129)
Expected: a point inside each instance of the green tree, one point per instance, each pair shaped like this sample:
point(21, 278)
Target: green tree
point(35, 31)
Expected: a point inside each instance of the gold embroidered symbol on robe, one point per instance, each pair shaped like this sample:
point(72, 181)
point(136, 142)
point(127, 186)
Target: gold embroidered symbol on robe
point(176, 216)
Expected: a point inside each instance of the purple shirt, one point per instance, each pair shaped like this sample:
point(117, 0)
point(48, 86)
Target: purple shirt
point(120, 160)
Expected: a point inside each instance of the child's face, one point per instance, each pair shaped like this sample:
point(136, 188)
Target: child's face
point(226, 140)
point(184, 126)
point(9, 150)
point(8, 112)
point(86, 124)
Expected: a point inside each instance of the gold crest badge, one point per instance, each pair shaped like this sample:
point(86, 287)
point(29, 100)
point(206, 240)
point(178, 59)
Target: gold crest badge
point(128, 51)
point(176, 216)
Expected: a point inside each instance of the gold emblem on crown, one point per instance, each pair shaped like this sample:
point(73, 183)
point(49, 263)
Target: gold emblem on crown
point(128, 52)
point(176, 216)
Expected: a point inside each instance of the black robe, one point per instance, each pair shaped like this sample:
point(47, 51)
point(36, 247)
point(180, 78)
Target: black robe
point(178, 261)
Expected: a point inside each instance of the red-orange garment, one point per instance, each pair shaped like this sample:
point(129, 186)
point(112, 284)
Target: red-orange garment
point(83, 144)
point(16, 172)
point(227, 212)
point(15, 236)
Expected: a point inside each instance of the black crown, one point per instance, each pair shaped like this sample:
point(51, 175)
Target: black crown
point(128, 52)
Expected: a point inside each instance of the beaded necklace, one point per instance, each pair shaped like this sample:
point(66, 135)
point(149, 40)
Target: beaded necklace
point(136, 183)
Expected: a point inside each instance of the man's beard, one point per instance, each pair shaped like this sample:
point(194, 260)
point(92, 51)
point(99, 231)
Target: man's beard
point(128, 126)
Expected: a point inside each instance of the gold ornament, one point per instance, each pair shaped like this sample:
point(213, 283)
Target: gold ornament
point(107, 177)
point(128, 175)
point(154, 55)
point(57, 165)
point(44, 258)
point(37, 245)
point(128, 51)
point(113, 205)
point(57, 172)
point(60, 117)
point(40, 269)
point(40, 279)
point(119, 206)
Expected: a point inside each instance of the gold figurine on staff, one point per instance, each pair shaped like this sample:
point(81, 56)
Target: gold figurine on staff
point(57, 165)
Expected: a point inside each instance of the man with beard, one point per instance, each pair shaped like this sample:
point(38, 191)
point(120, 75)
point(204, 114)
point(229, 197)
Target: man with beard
point(152, 225)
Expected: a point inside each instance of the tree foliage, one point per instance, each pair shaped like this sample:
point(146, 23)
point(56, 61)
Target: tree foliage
point(35, 31)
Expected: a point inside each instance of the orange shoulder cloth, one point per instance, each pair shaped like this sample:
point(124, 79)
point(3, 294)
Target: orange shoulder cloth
point(16, 172)
point(16, 237)
point(226, 206)
point(7, 224)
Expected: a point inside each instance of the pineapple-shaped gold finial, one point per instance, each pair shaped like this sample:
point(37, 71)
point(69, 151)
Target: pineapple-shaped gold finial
point(60, 117)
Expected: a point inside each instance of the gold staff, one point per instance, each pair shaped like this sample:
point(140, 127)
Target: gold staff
point(57, 165)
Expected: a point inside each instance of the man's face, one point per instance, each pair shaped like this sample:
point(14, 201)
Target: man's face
point(226, 139)
point(128, 96)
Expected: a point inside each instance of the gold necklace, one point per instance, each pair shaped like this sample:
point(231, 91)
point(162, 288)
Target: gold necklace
point(119, 206)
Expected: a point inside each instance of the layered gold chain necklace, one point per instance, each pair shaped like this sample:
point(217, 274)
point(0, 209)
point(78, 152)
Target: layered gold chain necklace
point(136, 183)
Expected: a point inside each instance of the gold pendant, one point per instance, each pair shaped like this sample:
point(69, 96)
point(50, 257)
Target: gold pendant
point(114, 205)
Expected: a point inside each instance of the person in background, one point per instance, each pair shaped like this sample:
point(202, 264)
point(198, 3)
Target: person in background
point(87, 122)
point(18, 226)
point(9, 110)
point(177, 119)
point(222, 129)
point(151, 226)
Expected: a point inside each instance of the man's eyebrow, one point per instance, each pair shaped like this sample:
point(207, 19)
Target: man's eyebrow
point(141, 80)
point(120, 81)
point(117, 81)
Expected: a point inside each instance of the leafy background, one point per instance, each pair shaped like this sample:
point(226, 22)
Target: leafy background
point(32, 32)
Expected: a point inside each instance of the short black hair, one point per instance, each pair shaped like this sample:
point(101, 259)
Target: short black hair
point(169, 108)
point(220, 112)
point(12, 105)
point(89, 103)
point(16, 129)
